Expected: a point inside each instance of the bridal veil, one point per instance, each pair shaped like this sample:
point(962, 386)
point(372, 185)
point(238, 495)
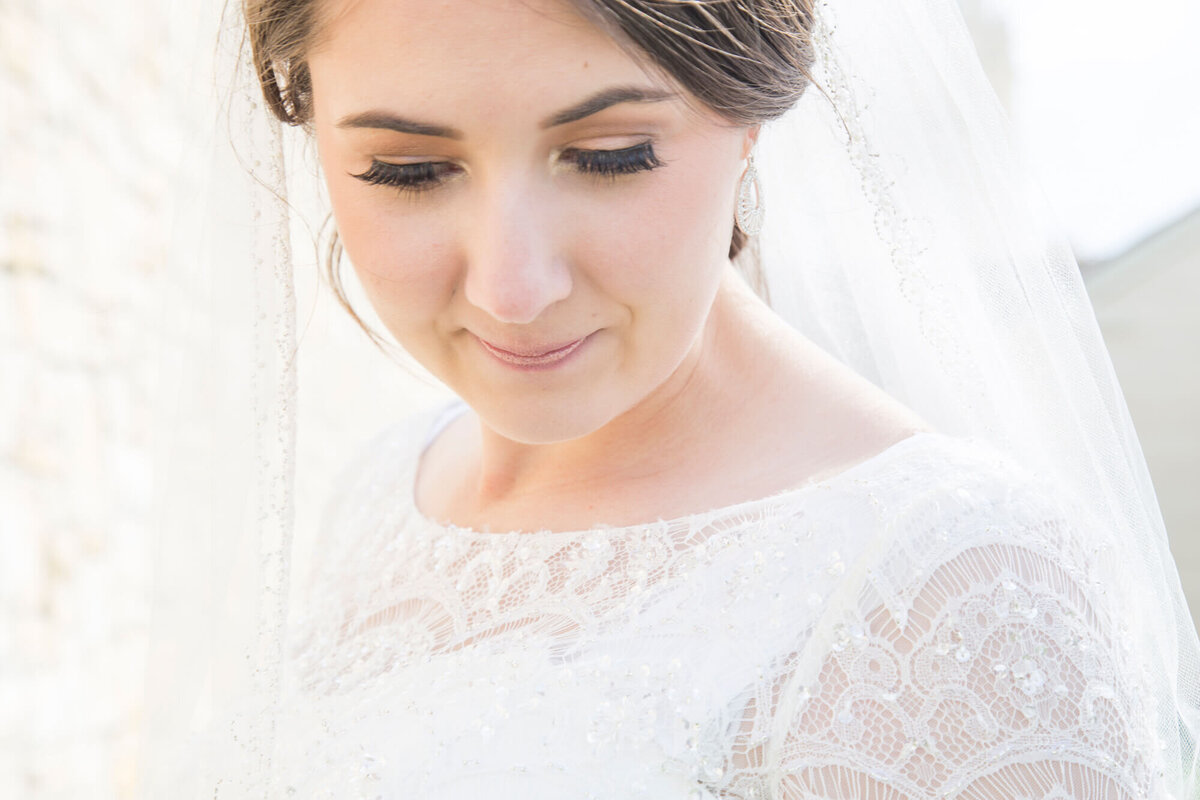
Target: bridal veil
point(902, 235)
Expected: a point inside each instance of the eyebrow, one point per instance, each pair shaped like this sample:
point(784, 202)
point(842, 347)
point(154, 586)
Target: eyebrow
point(384, 120)
point(604, 99)
point(594, 104)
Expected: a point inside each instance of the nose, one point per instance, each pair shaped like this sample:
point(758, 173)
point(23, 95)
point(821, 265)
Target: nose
point(514, 270)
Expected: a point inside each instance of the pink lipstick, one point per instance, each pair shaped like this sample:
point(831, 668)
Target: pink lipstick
point(535, 358)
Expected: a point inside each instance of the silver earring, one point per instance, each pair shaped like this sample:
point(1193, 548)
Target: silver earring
point(749, 216)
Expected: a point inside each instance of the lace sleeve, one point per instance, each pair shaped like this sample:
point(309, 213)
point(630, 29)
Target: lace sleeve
point(998, 670)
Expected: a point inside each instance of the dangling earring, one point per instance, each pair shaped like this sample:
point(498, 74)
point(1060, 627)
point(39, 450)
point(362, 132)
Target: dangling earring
point(749, 216)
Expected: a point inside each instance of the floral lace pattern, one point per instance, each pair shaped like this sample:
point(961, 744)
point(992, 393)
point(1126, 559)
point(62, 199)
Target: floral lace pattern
point(927, 624)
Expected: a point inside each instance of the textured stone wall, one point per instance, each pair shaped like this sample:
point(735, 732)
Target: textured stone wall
point(98, 115)
point(87, 136)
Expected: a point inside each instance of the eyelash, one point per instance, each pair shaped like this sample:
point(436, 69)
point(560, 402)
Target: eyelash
point(428, 175)
point(613, 163)
point(408, 177)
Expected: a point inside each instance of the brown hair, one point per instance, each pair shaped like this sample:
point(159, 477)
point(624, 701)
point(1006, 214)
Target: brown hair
point(747, 60)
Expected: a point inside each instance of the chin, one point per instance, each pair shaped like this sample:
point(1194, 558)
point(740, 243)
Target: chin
point(549, 420)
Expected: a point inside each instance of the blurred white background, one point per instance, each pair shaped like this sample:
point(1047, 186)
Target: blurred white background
point(1101, 94)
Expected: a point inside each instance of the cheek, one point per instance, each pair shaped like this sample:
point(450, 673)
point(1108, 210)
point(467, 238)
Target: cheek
point(398, 253)
point(666, 239)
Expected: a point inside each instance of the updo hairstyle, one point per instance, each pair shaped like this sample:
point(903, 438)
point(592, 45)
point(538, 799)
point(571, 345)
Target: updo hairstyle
point(748, 60)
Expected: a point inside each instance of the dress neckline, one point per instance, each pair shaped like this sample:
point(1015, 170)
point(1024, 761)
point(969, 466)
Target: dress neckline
point(746, 508)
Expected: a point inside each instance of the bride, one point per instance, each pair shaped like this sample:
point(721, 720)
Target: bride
point(846, 509)
point(553, 244)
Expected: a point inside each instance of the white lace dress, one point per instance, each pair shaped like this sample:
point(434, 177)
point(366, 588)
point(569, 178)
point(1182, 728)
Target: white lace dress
point(928, 624)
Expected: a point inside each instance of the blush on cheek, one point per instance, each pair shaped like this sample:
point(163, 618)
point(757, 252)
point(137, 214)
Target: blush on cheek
point(654, 235)
point(383, 233)
point(406, 270)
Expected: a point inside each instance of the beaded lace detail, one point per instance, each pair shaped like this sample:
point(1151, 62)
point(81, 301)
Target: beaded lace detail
point(931, 623)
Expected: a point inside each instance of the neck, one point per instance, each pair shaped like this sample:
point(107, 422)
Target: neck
point(639, 448)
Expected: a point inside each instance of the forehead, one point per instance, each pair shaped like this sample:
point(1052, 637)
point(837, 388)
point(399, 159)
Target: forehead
point(478, 56)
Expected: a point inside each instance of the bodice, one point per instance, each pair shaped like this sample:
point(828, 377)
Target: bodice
point(920, 620)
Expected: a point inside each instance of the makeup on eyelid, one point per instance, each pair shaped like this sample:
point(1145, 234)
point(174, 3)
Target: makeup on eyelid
point(426, 175)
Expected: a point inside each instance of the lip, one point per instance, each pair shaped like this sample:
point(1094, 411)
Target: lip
point(537, 357)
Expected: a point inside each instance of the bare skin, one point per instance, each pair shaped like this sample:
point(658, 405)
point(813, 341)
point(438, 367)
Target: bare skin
point(763, 412)
point(492, 241)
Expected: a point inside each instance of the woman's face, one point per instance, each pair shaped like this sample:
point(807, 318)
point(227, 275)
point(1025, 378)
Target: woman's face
point(538, 221)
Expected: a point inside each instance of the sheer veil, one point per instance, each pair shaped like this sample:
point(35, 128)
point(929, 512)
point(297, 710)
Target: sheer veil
point(917, 251)
point(901, 235)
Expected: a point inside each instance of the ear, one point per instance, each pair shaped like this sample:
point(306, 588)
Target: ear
point(750, 140)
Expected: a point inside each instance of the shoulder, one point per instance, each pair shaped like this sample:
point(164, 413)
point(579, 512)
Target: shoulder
point(932, 489)
point(375, 459)
point(928, 481)
point(956, 511)
point(975, 642)
point(932, 514)
point(372, 485)
point(389, 454)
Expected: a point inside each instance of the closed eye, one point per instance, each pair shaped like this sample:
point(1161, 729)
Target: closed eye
point(418, 177)
point(426, 175)
point(612, 163)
